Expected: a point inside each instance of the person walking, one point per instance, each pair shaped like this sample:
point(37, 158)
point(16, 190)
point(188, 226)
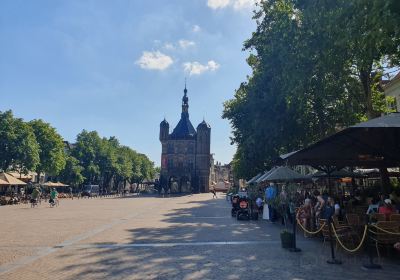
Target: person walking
point(71, 194)
point(214, 192)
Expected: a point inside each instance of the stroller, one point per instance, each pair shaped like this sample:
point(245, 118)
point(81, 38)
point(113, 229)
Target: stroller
point(235, 205)
point(243, 212)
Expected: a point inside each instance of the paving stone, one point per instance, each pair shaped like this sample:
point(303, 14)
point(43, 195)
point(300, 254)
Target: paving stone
point(188, 237)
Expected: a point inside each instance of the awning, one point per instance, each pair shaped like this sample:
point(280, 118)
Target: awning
point(285, 174)
point(374, 143)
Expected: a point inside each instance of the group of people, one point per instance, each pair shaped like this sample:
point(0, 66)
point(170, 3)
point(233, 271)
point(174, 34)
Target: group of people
point(323, 206)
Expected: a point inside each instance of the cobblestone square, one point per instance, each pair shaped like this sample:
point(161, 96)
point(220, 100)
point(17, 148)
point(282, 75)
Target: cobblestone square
point(187, 237)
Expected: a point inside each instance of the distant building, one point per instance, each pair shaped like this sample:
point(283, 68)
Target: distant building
point(185, 156)
point(222, 176)
point(392, 88)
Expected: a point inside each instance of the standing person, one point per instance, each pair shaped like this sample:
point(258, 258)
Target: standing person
point(259, 203)
point(270, 195)
point(214, 192)
point(304, 215)
point(162, 192)
point(70, 193)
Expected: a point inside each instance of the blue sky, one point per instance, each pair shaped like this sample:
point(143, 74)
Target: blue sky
point(119, 67)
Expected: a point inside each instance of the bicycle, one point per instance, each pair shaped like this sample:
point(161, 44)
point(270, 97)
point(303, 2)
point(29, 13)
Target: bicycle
point(34, 203)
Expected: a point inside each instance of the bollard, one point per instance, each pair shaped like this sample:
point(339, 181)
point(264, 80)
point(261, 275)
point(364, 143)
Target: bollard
point(333, 260)
point(294, 249)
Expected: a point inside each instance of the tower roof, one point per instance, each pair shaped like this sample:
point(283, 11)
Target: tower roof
point(203, 124)
point(164, 123)
point(184, 129)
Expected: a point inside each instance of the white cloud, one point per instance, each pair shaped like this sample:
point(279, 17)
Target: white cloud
point(169, 46)
point(217, 4)
point(196, 68)
point(235, 4)
point(196, 28)
point(244, 4)
point(154, 61)
point(184, 44)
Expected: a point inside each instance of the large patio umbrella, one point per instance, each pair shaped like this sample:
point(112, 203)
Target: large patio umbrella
point(54, 184)
point(262, 178)
point(374, 143)
point(337, 174)
point(285, 174)
point(252, 180)
point(10, 180)
point(3, 183)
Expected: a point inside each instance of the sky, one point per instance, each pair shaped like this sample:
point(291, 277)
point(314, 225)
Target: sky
point(119, 67)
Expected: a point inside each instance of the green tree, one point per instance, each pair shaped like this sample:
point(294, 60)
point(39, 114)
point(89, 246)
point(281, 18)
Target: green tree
point(306, 81)
point(19, 149)
point(72, 172)
point(51, 148)
point(124, 165)
point(86, 151)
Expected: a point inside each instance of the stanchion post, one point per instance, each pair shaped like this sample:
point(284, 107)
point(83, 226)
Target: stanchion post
point(368, 243)
point(294, 249)
point(333, 260)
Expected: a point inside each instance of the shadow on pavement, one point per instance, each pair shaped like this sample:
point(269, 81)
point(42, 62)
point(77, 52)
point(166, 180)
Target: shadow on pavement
point(208, 221)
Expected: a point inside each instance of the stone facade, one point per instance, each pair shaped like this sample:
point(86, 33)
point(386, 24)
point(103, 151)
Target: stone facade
point(185, 155)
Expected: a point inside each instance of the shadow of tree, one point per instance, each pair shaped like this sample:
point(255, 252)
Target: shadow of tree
point(183, 248)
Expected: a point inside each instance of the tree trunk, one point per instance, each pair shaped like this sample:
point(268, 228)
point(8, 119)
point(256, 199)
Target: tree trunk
point(38, 176)
point(366, 81)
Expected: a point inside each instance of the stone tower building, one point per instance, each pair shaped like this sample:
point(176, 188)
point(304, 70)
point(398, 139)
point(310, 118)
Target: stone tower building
point(185, 156)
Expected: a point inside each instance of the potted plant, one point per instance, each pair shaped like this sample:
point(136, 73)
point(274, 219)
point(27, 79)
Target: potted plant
point(286, 239)
point(282, 203)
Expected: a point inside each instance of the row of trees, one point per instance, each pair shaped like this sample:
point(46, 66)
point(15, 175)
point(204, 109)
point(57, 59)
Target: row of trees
point(36, 146)
point(316, 68)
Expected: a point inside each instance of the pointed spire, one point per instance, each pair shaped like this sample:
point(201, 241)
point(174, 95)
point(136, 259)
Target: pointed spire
point(185, 90)
point(185, 104)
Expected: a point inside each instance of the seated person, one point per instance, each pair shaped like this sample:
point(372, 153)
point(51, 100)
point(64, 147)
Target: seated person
point(373, 206)
point(387, 209)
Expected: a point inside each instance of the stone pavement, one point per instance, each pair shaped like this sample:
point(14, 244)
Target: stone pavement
point(188, 237)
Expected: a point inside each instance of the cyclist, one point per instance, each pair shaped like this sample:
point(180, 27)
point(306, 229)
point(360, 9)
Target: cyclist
point(53, 197)
point(35, 196)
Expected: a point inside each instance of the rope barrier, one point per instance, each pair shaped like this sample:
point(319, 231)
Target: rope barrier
point(344, 247)
point(310, 232)
point(385, 231)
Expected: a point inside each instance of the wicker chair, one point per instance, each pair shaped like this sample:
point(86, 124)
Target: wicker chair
point(395, 217)
point(343, 232)
point(380, 237)
point(379, 217)
point(353, 219)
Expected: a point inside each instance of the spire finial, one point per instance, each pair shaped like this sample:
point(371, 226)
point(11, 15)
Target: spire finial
point(185, 90)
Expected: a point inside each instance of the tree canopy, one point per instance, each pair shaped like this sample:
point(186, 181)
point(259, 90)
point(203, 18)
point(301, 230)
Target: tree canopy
point(51, 148)
point(19, 149)
point(36, 146)
point(316, 69)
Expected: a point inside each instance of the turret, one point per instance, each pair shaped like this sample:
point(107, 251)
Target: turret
point(164, 130)
point(203, 138)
